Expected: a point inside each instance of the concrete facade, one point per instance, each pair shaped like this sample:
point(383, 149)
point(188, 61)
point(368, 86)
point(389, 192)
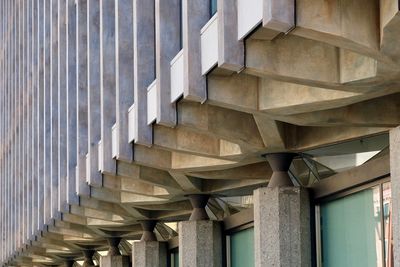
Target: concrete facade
point(109, 118)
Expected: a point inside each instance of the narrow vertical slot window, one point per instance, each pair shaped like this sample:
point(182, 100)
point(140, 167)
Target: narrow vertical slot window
point(213, 7)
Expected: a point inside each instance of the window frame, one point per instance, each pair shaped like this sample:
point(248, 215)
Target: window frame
point(173, 247)
point(232, 224)
point(211, 13)
point(380, 181)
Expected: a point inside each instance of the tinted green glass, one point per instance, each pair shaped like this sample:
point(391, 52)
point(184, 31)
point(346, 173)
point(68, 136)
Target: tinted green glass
point(213, 7)
point(351, 231)
point(242, 248)
point(174, 259)
point(387, 220)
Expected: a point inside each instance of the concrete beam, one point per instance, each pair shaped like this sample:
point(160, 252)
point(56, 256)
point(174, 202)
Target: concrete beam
point(353, 26)
point(363, 114)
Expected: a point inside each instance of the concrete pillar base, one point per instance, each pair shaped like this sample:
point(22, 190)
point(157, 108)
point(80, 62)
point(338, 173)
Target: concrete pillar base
point(282, 234)
point(114, 261)
point(200, 244)
point(149, 254)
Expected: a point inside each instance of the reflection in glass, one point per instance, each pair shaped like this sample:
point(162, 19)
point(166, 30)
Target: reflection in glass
point(242, 248)
point(174, 259)
point(213, 7)
point(387, 223)
point(351, 230)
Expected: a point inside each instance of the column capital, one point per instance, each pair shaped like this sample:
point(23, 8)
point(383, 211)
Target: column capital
point(113, 243)
point(69, 263)
point(88, 257)
point(199, 202)
point(148, 230)
point(280, 163)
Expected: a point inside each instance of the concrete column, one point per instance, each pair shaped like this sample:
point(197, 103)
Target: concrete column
point(88, 255)
point(114, 257)
point(149, 252)
point(395, 181)
point(282, 234)
point(200, 242)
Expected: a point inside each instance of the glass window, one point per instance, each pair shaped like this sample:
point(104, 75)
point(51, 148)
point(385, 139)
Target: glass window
point(354, 230)
point(242, 248)
point(180, 25)
point(213, 7)
point(174, 259)
point(387, 223)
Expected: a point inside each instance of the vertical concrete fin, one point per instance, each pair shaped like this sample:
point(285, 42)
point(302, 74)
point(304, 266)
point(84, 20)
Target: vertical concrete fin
point(94, 81)
point(144, 66)
point(71, 101)
point(81, 79)
point(230, 49)
point(125, 77)
point(108, 83)
point(195, 15)
point(62, 107)
point(168, 31)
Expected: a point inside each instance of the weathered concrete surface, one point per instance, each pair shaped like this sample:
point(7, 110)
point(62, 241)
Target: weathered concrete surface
point(395, 181)
point(125, 79)
point(195, 15)
point(200, 244)
point(355, 21)
point(114, 261)
point(94, 83)
point(282, 235)
point(81, 79)
point(108, 83)
point(230, 50)
point(278, 16)
point(144, 65)
point(168, 44)
point(149, 254)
